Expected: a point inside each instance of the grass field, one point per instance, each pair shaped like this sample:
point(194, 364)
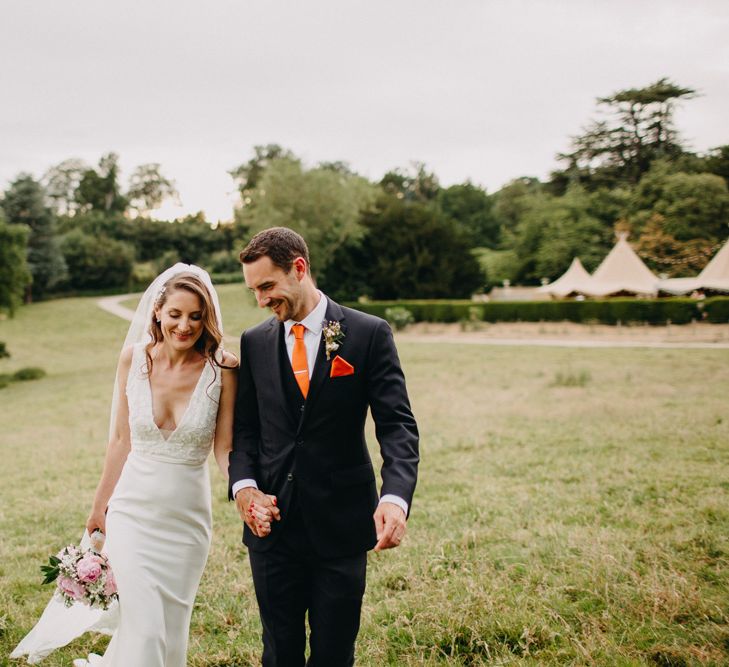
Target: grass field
point(573, 505)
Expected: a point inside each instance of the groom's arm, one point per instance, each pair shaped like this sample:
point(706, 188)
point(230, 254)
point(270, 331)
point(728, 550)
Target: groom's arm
point(395, 425)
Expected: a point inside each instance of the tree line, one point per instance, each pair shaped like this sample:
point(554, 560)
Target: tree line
point(406, 236)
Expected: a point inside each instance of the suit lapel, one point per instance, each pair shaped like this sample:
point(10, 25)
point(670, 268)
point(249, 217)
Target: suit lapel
point(322, 366)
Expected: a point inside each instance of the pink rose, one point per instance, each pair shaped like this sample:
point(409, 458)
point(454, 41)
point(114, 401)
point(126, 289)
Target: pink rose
point(89, 567)
point(110, 583)
point(71, 588)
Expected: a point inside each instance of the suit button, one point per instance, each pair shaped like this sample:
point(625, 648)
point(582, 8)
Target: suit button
point(290, 477)
point(300, 441)
point(301, 409)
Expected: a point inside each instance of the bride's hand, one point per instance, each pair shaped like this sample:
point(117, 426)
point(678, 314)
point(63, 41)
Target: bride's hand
point(96, 521)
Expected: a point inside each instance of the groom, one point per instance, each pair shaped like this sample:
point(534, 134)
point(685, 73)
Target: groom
point(307, 378)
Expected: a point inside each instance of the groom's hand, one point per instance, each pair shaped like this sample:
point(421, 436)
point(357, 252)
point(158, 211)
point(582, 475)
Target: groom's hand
point(390, 525)
point(257, 510)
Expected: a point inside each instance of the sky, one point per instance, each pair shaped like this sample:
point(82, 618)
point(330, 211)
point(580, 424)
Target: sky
point(484, 90)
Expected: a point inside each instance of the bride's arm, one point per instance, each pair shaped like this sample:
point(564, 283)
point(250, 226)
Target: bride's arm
point(224, 425)
point(116, 451)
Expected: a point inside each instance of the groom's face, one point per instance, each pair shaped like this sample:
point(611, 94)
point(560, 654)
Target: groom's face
point(276, 289)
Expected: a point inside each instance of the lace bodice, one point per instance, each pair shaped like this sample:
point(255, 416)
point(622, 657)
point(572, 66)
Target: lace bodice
point(191, 441)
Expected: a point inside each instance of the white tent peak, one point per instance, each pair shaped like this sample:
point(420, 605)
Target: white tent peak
point(714, 277)
point(718, 267)
point(569, 282)
point(622, 271)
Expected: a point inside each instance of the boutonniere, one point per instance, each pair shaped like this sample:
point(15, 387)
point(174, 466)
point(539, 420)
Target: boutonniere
point(333, 337)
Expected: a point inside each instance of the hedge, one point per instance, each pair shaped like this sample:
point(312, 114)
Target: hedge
point(606, 311)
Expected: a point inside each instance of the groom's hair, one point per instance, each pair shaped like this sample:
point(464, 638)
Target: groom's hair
point(281, 244)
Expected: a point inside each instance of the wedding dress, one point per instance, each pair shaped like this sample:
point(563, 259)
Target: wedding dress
point(158, 531)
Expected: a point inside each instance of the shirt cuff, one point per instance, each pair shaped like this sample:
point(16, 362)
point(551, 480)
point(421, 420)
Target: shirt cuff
point(243, 484)
point(389, 498)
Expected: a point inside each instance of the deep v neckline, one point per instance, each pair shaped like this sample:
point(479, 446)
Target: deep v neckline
point(184, 414)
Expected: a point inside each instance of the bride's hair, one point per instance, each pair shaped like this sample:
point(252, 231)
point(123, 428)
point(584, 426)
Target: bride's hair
point(209, 342)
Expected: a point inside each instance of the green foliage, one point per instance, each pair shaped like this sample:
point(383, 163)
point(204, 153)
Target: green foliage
point(323, 205)
point(421, 310)
point(609, 311)
point(695, 206)
point(554, 230)
point(14, 273)
point(148, 188)
point(4, 354)
point(412, 250)
point(716, 309)
point(571, 378)
point(22, 375)
point(622, 148)
point(413, 184)
point(497, 265)
point(97, 261)
point(471, 208)
point(99, 190)
point(398, 317)
point(223, 261)
point(24, 204)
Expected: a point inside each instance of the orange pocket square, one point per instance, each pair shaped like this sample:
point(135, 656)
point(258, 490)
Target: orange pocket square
point(340, 367)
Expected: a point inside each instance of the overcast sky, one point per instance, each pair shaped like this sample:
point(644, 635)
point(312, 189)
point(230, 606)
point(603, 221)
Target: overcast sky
point(483, 90)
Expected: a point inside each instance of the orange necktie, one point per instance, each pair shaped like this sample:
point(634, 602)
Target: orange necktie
point(298, 359)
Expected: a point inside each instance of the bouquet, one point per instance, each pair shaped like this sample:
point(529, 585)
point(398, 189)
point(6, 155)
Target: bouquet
point(82, 575)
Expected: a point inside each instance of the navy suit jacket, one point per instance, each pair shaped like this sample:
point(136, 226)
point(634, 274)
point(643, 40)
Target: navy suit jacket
point(317, 446)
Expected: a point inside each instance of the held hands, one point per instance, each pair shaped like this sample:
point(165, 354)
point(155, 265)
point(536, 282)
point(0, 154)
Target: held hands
point(257, 509)
point(390, 525)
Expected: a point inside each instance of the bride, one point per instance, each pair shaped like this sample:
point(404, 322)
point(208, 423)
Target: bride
point(173, 403)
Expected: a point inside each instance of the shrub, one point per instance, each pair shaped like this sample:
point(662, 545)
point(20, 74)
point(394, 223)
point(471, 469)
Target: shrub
point(399, 317)
point(29, 373)
point(607, 311)
point(571, 379)
point(96, 261)
point(716, 309)
point(3, 350)
point(5, 380)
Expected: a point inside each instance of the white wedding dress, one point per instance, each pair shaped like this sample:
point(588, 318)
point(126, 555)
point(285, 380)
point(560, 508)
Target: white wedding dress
point(158, 534)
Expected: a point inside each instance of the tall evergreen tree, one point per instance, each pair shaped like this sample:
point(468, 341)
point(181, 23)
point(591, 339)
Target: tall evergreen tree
point(24, 203)
point(14, 273)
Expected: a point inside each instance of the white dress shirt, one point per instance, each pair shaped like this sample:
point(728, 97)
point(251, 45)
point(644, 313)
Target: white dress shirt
point(313, 325)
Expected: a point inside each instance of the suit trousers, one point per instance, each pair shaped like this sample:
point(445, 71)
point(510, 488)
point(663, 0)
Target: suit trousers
point(291, 579)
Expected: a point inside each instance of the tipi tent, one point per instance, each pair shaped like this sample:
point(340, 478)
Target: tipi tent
point(714, 277)
point(568, 283)
point(621, 271)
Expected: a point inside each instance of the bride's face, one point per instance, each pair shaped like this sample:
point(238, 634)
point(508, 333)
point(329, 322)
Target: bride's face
point(181, 319)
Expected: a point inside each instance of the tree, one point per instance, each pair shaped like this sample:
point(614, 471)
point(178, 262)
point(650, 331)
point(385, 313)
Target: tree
point(471, 208)
point(695, 206)
point(323, 205)
point(98, 190)
point(691, 205)
point(14, 273)
point(412, 250)
point(248, 174)
point(61, 183)
point(24, 204)
point(638, 131)
point(663, 253)
point(414, 184)
point(148, 188)
point(717, 162)
point(97, 262)
point(554, 230)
